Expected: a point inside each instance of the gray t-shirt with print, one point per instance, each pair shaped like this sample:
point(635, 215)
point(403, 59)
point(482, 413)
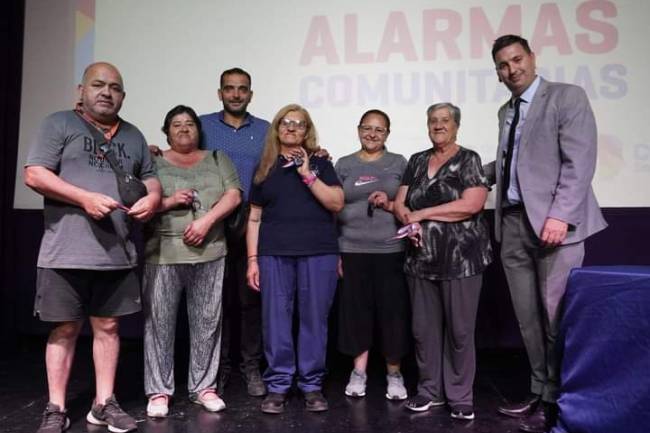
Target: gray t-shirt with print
point(72, 239)
point(359, 232)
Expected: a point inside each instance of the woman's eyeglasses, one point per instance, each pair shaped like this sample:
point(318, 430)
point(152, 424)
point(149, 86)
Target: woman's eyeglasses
point(295, 124)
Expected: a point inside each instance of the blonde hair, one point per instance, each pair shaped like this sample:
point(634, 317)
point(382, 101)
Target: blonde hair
point(271, 149)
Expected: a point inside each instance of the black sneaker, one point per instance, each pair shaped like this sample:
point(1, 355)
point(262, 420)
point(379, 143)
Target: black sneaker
point(465, 412)
point(54, 420)
point(315, 402)
point(274, 403)
point(420, 403)
point(111, 415)
point(254, 384)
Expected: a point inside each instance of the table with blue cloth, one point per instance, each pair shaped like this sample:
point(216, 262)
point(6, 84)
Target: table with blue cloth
point(605, 344)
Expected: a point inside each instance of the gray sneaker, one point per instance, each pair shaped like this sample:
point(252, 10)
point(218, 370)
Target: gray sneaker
point(111, 415)
point(54, 420)
point(357, 385)
point(395, 389)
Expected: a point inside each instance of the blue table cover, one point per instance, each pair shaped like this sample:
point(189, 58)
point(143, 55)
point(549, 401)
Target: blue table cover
point(605, 340)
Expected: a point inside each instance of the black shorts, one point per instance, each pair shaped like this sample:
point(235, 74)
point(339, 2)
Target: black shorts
point(374, 297)
point(64, 295)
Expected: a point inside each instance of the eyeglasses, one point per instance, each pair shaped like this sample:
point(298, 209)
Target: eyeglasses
point(377, 129)
point(295, 124)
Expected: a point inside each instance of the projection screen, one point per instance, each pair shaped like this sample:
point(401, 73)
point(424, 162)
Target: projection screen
point(340, 58)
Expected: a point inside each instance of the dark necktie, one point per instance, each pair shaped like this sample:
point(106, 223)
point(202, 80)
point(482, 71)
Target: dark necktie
point(511, 144)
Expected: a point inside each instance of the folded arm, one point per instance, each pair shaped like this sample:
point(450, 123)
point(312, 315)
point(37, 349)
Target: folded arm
point(47, 183)
point(470, 202)
point(198, 229)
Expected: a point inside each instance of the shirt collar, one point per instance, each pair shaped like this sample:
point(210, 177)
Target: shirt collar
point(529, 93)
point(247, 120)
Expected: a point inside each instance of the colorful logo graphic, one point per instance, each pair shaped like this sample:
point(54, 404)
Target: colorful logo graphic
point(610, 156)
point(84, 50)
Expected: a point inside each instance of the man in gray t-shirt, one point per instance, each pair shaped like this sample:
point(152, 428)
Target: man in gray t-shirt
point(87, 256)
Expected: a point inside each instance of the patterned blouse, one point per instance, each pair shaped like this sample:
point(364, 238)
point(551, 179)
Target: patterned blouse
point(450, 250)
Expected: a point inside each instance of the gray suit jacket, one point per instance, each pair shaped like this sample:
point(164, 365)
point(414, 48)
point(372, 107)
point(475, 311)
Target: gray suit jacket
point(556, 162)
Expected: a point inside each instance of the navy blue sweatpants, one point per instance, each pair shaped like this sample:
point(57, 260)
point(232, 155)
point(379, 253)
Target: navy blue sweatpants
point(309, 283)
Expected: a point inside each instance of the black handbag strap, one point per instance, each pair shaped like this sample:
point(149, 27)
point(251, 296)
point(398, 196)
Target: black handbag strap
point(215, 155)
point(105, 147)
point(109, 155)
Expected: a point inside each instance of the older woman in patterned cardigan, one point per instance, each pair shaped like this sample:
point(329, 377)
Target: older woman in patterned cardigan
point(442, 195)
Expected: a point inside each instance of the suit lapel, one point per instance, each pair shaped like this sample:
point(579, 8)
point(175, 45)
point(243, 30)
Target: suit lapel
point(534, 113)
point(498, 168)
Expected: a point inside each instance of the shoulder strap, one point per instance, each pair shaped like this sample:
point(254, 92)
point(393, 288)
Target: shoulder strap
point(215, 155)
point(97, 136)
point(104, 146)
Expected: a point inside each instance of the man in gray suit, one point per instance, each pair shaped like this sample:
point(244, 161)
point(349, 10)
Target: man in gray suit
point(545, 209)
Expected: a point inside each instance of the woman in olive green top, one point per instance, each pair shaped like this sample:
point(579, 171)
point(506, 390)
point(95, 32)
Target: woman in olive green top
point(185, 250)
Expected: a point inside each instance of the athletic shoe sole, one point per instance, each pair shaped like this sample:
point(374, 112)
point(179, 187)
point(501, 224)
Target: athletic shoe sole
point(396, 397)
point(91, 419)
point(426, 406)
point(462, 416)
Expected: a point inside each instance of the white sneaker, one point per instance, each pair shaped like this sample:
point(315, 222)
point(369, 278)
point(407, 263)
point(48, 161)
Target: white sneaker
point(465, 412)
point(395, 389)
point(211, 405)
point(158, 407)
point(357, 385)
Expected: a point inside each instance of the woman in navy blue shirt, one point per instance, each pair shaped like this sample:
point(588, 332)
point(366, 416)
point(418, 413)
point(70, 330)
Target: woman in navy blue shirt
point(293, 254)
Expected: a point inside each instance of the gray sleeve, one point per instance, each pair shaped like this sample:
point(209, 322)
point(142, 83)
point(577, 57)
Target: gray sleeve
point(578, 138)
point(339, 168)
point(47, 147)
point(228, 172)
point(148, 168)
point(401, 164)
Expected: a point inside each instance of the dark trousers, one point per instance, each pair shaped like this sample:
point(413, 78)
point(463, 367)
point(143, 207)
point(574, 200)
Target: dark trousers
point(444, 318)
point(309, 283)
point(243, 303)
point(373, 295)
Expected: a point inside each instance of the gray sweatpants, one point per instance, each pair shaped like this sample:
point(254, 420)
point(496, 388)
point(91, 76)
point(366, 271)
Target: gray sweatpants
point(162, 289)
point(444, 317)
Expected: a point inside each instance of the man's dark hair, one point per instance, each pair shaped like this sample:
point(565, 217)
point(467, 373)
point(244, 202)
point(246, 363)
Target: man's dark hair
point(507, 40)
point(238, 71)
point(181, 109)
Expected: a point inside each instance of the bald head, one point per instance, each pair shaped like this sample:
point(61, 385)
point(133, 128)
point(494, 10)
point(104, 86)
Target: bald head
point(94, 67)
point(101, 92)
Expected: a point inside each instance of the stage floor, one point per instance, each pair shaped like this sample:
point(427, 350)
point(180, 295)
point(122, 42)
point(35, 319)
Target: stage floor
point(501, 374)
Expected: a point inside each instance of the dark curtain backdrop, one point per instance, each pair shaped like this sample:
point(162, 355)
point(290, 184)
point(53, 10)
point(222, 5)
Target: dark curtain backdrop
point(624, 242)
point(11, 59)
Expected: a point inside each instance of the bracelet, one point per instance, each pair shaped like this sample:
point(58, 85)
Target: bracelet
point(310, 179)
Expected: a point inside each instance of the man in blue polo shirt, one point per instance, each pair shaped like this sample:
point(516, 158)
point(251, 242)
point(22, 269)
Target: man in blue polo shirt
point(241, 136)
